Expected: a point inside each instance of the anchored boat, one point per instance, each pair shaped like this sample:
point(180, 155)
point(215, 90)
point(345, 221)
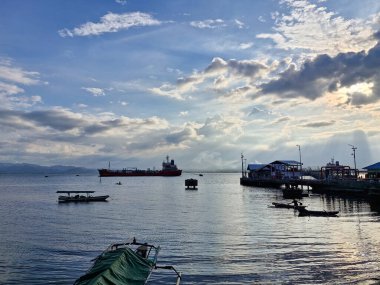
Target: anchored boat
point(79, 197)
point(304, 212)
point(129, 263)
point(288, 206)
point(169, 168)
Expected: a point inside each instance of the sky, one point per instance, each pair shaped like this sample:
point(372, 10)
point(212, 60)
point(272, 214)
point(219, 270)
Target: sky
point(129, 82)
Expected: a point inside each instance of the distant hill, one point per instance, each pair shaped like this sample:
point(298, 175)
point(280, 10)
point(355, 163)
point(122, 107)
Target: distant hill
point(26, 168)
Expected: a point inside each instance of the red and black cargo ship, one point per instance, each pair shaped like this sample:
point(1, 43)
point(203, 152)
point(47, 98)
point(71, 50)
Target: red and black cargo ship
point(168, 169)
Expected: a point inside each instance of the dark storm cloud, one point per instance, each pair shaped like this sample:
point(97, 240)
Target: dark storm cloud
point(326, 73)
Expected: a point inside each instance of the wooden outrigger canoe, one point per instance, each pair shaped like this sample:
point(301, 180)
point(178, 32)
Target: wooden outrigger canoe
point(129, 263)
point(288, 206)
point(304, 212)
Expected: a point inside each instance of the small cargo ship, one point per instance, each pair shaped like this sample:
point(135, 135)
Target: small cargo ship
point(169, 168)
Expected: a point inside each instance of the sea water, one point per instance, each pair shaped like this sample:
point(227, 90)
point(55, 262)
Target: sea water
point(222, 233)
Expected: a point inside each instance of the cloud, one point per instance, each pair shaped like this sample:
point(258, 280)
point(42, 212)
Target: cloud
point(208, 24)
point(17, 74)
point(58, 119)
point(281, 120)
point(121, 2)
point(11, 78)
point(261, 19)
point(327, 74)
point(359, 99)
point(245, 68)
point(246, 45)
point(187, 134)
point(95, 91)
point(167, 90)
point(219, 126)
point(257, 110)
point(314, 28)
point(92, 134)
point(239, 24)
point(224, 76)
point(319, 124)
point(63, 120)
point(9, 89)
point(111, 23)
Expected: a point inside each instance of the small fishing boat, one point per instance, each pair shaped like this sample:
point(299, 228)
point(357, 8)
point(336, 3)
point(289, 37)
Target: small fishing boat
point(288, 206)
point(129, 263)
point(79, 197)
point(304, 212)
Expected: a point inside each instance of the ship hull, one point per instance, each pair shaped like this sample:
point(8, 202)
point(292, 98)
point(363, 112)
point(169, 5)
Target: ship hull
point(119, 173)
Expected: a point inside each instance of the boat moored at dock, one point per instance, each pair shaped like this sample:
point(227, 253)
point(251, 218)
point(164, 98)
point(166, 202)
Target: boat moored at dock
point(330, 179)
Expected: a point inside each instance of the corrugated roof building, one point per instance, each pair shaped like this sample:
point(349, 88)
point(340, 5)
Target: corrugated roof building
point(279, 169)
point(373, 171)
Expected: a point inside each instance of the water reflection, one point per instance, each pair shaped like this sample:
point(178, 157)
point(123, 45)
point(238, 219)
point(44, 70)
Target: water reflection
point(223, 233)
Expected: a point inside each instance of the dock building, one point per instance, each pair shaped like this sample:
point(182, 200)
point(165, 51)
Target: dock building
point(373, 171)
point(278, 169)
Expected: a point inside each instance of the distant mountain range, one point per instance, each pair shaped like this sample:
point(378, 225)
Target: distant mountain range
point(26, 168)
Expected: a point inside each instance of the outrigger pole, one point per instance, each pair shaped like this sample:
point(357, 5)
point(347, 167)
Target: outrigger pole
point(171, 268)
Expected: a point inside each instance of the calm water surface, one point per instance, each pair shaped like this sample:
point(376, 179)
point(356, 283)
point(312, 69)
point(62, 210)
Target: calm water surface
point(223, 233)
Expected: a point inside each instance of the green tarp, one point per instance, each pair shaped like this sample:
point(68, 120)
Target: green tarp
point(122, 266)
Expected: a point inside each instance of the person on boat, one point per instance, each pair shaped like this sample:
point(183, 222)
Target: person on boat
point(142, 250)
point(296, 203)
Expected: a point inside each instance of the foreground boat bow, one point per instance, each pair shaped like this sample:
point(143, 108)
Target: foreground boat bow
point(124, 263)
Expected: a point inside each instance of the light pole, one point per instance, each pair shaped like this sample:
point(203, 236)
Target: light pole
point(299, 150)
point(353, 153)
point(242, 165)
